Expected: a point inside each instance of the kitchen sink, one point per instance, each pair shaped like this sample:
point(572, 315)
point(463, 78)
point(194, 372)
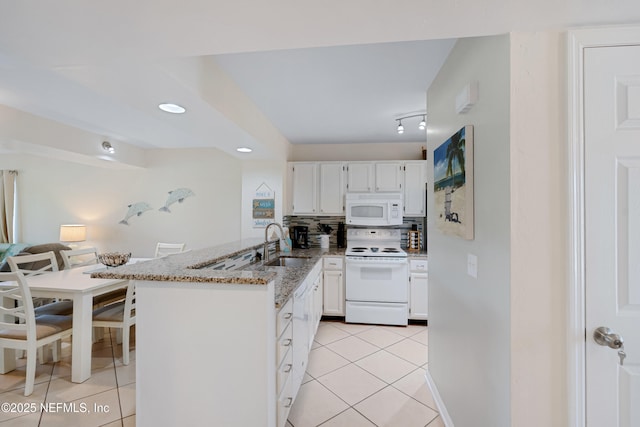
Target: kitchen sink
point(287, 261)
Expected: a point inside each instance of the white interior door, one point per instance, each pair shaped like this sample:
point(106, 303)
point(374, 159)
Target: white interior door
point(612, 232)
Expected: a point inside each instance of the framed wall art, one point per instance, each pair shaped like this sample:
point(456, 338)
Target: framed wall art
point(453, 184)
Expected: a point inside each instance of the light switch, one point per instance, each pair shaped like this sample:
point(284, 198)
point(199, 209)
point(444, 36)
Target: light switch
point(472, 265)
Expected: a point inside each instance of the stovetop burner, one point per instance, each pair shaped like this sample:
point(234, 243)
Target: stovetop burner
point(374, 242)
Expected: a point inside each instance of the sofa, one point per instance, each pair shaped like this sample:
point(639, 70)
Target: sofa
point(18, 249)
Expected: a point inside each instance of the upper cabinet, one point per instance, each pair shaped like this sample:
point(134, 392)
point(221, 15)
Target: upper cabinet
point(318, 188)
point(389, 176)
point(360, 178)
point(331, 188)
point(304, 188)
point(415, 186)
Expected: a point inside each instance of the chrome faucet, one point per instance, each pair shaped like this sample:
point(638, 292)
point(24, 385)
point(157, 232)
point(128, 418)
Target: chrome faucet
point(265, 251)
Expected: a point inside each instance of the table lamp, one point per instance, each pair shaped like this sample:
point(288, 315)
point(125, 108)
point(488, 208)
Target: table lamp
point(71, 233)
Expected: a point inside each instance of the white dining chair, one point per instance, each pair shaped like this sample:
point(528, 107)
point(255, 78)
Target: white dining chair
point(20, 328)
point(164, 249)
point(79, 257)
point(121, 315)
point(33, 265)
point(75, 258)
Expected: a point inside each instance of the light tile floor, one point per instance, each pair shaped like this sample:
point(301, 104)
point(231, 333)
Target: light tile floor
point(106, 399)
point(358, 375)
point(366, 375)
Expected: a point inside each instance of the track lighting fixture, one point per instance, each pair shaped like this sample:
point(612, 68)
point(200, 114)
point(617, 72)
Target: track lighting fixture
point(106, 146)
point(421, 126)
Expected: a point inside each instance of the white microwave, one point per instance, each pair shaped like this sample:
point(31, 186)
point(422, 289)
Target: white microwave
point(373, 208)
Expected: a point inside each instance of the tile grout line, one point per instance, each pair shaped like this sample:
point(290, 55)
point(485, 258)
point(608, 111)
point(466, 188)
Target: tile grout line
point(387, 384)
point(115, 373)
point(46, 393)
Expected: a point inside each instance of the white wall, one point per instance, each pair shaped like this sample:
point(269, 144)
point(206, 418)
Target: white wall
point(254, 174)
point(378, 151)
point(54, 192)
point(497, 347)
point(469, 332)
point(539, 230)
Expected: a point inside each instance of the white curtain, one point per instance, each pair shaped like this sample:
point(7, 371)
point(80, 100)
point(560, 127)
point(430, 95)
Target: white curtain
point(7, 205)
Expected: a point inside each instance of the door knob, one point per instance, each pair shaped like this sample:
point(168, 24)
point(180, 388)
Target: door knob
point(606, 337)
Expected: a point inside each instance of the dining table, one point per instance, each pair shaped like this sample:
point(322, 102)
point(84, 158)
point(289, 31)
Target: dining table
point(77, 285)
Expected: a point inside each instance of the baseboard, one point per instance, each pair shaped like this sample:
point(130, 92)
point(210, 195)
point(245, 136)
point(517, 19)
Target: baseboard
point(442, 410)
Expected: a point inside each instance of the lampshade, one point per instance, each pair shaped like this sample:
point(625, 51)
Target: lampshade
point(73, 233)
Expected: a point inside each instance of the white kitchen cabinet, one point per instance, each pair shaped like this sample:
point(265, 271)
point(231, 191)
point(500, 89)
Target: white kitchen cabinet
point(318, 291)
point(360, 177)
point(304, 325)
point(418, 289)
point(415, 181)
point(304, 185)
point(331, 188)
point(334, 292)
point(317, 188)
point(389, 176)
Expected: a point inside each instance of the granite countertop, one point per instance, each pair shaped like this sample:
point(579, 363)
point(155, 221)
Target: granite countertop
point(191, 266)
point(287, 279)
point(417, 254)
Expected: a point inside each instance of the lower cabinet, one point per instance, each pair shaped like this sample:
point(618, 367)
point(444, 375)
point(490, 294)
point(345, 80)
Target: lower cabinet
point(284, 362)
point(418, 289)
point(333, 282)
point(306, 312)
point(318, 299)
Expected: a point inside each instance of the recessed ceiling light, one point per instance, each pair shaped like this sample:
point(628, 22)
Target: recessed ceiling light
point(172, 108)
point(244, 149)
point(106, 146)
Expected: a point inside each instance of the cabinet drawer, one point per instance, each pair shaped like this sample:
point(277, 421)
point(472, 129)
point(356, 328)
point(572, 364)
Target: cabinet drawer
point(285, 400)
point(419, 265)
point(284, 343)
point(332, 263)
point(284, 317)
point(284, 370)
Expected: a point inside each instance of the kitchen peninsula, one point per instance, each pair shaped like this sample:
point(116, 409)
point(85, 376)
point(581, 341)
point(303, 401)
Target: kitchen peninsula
point(213, 335)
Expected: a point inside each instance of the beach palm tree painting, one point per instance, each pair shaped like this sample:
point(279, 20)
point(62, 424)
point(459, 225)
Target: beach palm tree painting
point(453, 184)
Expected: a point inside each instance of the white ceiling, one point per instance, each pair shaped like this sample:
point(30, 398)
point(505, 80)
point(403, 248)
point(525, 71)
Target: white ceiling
point(345, 94)
point(328, 72)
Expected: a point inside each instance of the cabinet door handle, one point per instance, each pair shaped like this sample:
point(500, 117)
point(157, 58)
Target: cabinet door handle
point(286, 343)
point(289, 402)
point(287, 369)
point(287, 316)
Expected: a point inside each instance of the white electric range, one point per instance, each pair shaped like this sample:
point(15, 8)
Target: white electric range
point(377, 277)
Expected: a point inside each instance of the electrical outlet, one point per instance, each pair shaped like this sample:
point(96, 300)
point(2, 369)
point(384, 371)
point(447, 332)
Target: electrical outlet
point(472, 265)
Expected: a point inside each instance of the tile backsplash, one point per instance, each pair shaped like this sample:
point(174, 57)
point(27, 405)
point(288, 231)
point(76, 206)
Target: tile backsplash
point(313, 221)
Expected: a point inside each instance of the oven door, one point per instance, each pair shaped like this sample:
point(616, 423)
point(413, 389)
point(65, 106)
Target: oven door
point(377, 279)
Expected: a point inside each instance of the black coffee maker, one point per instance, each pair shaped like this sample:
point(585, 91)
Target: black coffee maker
point(300, 237)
